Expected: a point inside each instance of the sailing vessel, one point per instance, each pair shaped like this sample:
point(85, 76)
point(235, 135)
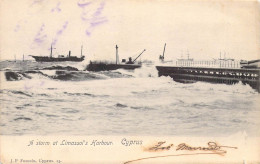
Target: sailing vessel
point(105, 66)
point(60, 58)
point(185, 60)
point(223, 59)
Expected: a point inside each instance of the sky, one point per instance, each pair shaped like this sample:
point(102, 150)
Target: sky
point(204, 29)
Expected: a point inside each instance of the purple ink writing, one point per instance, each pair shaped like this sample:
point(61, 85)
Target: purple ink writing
point(40, 37)
point(36, 2)
point(59, 32)
point(57, 8)
point(92, 19)
point(84, 4)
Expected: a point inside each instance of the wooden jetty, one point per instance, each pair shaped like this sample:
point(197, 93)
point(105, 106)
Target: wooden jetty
point(217, 73)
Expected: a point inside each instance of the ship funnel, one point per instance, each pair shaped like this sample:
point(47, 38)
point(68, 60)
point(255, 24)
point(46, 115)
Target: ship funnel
point(69, 53)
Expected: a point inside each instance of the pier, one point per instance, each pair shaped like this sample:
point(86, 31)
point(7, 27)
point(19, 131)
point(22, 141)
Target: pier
point(240, 74)
point(214, 75)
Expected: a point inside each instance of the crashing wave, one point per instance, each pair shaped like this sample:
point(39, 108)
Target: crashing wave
point(75, 76)
point(67, 68)
point(15, 76)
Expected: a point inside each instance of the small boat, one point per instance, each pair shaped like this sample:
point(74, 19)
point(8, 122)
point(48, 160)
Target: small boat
point(60, 58)
point(106, 66)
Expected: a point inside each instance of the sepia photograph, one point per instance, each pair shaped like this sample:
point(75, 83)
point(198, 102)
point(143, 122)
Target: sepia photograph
point(77, 70)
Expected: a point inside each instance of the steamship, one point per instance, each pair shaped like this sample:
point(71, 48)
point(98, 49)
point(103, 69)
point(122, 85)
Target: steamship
point(60, 58)
point(107, 66)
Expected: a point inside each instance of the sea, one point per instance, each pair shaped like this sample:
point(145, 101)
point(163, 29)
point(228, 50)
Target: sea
point(65, 99)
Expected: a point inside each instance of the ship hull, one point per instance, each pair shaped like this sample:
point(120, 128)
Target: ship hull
point(107, 67)
point(52, 59)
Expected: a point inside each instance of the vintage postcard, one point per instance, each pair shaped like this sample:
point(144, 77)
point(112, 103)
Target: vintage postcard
point(129, 81)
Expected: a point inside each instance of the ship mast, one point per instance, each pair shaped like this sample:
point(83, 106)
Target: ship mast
point(51, 51)
point(116, 54)
point(81, 51)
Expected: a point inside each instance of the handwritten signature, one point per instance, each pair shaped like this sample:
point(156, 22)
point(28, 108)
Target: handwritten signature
point(211, 148)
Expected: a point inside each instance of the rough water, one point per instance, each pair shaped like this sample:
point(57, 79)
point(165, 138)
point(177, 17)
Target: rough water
point(62, 98)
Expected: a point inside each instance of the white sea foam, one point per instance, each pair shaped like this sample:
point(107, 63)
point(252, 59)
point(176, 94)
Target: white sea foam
point(139, 104)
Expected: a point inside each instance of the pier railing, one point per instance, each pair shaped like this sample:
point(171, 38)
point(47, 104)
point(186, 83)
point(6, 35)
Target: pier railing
point(210, 64)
